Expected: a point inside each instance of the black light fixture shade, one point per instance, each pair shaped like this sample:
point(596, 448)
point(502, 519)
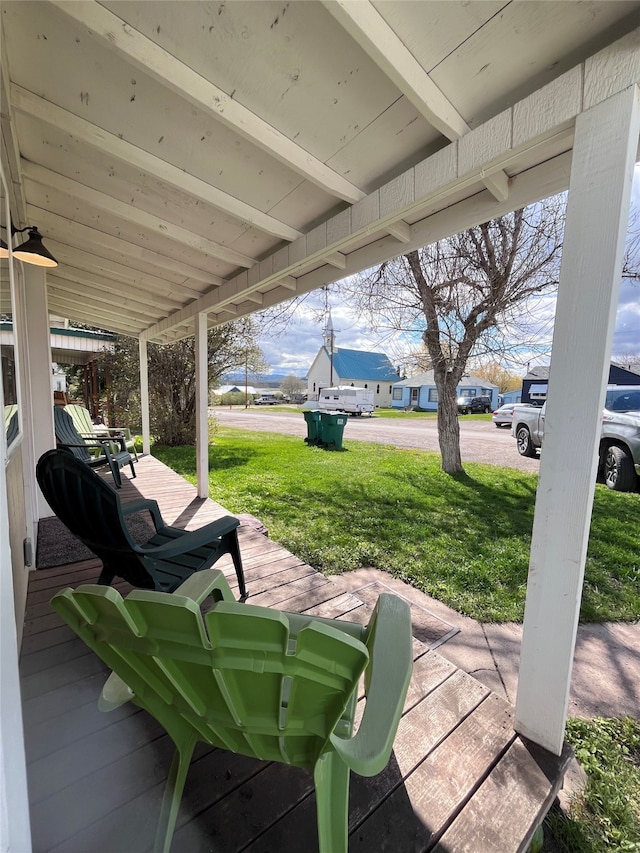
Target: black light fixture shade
point(32, 251)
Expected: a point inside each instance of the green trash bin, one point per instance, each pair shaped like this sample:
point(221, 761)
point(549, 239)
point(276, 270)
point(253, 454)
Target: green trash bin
point(312, 417)
point(332, 429)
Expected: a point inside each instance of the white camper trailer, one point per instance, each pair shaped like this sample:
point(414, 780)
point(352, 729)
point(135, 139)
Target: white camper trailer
point(346, 398)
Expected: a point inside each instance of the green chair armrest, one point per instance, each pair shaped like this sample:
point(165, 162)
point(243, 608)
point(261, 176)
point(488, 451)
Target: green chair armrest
point(114, 693)
point(191, 539)
point(126, 432)
point(141, 505)
point(202, 584)
point(387, 679)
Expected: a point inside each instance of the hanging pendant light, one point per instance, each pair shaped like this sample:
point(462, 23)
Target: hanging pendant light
point(32, 251)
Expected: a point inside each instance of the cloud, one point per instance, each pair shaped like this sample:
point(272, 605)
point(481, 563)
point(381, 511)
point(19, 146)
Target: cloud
point(293, 347)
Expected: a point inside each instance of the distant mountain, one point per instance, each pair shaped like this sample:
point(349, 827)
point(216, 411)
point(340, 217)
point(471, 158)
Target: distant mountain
point(263, 380)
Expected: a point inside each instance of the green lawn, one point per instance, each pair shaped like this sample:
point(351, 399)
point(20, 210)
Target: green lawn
point(464, 540)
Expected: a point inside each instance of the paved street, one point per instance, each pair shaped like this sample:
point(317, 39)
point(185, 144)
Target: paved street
point(479, 441)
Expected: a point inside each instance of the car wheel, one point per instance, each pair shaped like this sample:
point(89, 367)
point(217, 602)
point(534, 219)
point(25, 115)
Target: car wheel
point(523, 442)
point(619, 471)
point(487, 410)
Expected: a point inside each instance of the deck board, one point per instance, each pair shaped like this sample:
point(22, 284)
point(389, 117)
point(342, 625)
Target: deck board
point(459, 778)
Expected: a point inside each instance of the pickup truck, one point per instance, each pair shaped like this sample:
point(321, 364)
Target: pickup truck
point(619, 452)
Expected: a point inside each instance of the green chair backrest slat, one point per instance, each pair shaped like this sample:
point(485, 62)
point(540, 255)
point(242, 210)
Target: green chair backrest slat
point(66, 433)
point(81, 418)
point(84, 502)
point(240, 678)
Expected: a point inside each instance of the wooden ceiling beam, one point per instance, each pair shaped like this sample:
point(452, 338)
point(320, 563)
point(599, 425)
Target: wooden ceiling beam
point(106, 203)
point(75, 310)
point(118, 276)
point(79, 291)
point(9, 147)
point(115, 290)
point(158, 63)
point(111, 145)
point(401, 230)
point(76, 235)
point(370, 31)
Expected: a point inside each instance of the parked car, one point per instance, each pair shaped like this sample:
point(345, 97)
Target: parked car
point(474, 405)
point(619, 451)
point(266, 400)
point(504, 415)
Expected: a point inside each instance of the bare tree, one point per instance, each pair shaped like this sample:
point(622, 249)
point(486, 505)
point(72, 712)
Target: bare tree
point(172, 377)
point(498, 375)
point(292, 385)
point(470, 295)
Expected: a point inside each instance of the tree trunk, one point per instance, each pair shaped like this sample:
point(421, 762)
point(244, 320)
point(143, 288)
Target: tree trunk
point(448, 428)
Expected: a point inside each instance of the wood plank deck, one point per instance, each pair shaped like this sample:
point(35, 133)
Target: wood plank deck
point(459, 778)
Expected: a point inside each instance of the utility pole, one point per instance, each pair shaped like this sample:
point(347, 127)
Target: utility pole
point(329, 342)
point(246, 379)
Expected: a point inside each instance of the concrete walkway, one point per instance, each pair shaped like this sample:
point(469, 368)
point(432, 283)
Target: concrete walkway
point(606, 671)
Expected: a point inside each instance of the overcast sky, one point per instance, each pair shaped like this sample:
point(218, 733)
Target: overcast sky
point(293, 350)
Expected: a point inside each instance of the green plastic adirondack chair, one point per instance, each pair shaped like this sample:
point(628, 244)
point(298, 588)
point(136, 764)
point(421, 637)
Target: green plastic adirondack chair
point(93, 512)
point(67, 436)
point(264, 683)
point(87, 429)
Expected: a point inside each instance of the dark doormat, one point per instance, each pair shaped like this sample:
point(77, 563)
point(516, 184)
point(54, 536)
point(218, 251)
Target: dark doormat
point(57, 545)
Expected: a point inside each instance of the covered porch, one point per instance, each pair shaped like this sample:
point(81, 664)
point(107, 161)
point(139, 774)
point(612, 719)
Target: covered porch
point(191, 163)
point(460, 778)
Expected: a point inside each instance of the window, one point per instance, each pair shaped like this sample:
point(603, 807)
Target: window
point(433, 395)
point(485, 392)
point(397, 393)
point(8, 360)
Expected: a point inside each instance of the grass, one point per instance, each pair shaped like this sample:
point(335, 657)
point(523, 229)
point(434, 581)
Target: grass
point(605, 818)
point(464, 540)
point(392, 414)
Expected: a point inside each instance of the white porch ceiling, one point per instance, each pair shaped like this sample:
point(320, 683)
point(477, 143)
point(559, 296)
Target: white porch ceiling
point(187, 156)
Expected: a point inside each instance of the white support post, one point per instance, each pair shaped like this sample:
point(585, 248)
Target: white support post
point(144, 396)
point(15, 833)
point(202, 404)
point(37, 372)
point(606, 141)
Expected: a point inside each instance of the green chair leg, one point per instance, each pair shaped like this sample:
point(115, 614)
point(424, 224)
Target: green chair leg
point(172, 796)
point(331, 777)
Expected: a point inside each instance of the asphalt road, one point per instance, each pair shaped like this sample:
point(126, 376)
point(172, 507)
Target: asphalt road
point(480, 441)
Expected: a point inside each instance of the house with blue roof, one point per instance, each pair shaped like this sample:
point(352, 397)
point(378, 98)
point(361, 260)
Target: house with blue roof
point(352, 367)
point(420, 391)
